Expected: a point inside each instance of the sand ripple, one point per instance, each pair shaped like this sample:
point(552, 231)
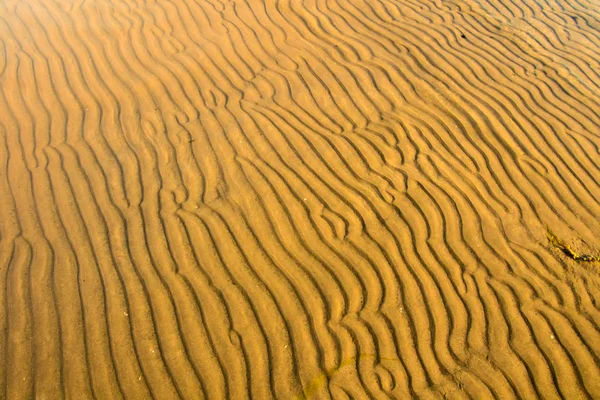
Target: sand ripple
point(316, 199)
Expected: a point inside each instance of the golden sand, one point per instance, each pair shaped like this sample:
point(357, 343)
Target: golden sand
point(299, 199)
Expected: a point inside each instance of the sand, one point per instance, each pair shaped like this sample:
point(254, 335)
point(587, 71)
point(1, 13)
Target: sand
point(299, 199)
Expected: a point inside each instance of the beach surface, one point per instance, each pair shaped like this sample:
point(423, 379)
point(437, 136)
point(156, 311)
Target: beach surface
point(299, 199)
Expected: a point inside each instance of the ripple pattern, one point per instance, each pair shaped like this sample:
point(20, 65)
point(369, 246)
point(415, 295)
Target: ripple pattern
point(299, 199)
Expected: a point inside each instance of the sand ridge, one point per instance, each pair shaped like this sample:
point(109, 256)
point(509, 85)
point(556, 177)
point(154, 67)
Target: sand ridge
point(314, 199)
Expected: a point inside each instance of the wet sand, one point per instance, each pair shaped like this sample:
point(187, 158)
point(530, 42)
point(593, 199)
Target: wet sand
point(318, 199)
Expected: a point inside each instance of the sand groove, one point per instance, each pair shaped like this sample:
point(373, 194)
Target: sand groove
point(291, 199)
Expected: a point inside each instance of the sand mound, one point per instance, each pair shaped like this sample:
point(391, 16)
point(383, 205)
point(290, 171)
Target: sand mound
point(292, 199)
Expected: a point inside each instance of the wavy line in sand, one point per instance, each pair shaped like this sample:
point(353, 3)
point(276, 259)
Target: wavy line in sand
point(232, 199)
